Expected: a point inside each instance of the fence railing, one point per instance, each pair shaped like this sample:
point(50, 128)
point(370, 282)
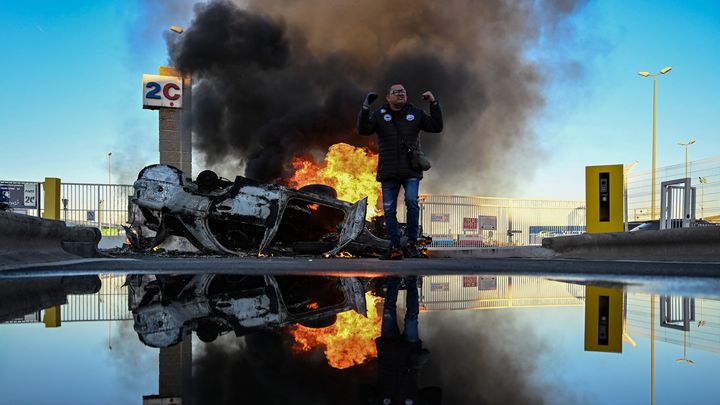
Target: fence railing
point(104, 206)
point(452, 221)
point(707, 202)
point(459, 221)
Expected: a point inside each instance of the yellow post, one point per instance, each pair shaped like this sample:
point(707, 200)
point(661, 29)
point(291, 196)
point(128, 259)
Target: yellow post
point(604, 198)
point(51, 318)
point(51, 188)
point(654, 142)
point(603, 319)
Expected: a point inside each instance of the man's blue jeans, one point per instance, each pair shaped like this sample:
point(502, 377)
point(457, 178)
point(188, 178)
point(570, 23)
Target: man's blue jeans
point(390, 191)
point(390, 327)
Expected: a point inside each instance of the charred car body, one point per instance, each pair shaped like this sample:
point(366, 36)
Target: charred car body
point(168, 308)
point(244, 216)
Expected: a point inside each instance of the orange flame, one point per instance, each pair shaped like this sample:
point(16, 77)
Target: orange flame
point(346, 168)
point(348, 342)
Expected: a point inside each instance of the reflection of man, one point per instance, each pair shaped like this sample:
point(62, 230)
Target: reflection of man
point(398, 125)
point(399, 365)
point(390, 327)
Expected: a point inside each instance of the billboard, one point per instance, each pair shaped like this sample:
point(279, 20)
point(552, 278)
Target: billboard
point(440, 217)
point(162, 92)
point(20, 195)
point(470, 224)
point(488, 223)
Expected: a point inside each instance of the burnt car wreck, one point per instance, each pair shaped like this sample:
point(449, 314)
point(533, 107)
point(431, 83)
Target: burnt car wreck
point(166, 309)
point(243, 216)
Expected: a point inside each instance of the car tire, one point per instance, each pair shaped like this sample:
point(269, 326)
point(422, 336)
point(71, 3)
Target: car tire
point(320, 323)
point(319, 189)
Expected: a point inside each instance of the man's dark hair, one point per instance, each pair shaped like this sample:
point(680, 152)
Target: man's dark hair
point(389, 89)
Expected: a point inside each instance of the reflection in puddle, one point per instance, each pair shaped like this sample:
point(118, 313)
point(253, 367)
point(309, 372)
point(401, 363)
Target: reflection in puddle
point(504, 339)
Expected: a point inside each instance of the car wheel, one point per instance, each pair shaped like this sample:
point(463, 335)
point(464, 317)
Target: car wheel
point(319, 323)
point(319, 189)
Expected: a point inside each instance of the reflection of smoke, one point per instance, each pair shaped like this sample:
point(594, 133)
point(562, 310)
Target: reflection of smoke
point(282, 78)
point(484, 357)
point(261, 369)
point(137, 364)
point(476, 357)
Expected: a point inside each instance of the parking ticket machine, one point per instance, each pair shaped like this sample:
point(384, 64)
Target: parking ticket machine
point(604, 198)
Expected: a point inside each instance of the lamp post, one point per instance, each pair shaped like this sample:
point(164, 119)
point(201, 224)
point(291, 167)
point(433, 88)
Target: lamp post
point(654, 76)
point(703, 182)
point(684, 358)
point(686, 145)
point(108, 207)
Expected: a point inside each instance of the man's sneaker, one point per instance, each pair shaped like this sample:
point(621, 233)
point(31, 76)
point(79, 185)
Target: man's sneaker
point(392, 254)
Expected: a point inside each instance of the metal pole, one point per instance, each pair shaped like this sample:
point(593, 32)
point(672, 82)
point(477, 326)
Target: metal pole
point(652, 201)
point(625, 198)
point(652, 349)
point(686, 159)
point(109, 193)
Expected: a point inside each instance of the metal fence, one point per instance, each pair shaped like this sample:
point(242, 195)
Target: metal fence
point(702, 333)
point(458, 221)
point(108, 304)
point(707, 191)
point(452, 221)
point(101, 205)
point(457, 292)
point(104, 206)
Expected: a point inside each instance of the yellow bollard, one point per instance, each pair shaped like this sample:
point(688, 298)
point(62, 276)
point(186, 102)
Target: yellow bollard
point(51, 188)
point(51, 318)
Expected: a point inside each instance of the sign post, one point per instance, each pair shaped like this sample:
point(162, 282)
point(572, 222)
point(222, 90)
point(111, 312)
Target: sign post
point(170, 93)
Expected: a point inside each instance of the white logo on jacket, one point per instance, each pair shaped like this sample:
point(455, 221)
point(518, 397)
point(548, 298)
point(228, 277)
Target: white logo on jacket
point(387, 117)
point(410, 117)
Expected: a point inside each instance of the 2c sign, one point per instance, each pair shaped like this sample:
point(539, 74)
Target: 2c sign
point(162, 92)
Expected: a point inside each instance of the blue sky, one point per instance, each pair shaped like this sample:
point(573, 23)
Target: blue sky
point(71, 78)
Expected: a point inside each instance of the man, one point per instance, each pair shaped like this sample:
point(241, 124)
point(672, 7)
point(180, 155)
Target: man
point(398, 125)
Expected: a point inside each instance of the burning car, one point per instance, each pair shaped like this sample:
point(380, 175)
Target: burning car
point(245, 216)
point(167, 308)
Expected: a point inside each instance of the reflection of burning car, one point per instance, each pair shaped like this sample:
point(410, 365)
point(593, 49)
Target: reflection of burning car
point(231, 217)
point(166, 308)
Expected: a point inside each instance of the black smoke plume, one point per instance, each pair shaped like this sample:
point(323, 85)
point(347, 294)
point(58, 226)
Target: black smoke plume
point(262, 369)
point(276, 79)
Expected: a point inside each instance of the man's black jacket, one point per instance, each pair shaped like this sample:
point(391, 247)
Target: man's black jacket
point(394, 128)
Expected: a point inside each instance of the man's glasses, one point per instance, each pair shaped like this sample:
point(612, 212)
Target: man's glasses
point(395, 92)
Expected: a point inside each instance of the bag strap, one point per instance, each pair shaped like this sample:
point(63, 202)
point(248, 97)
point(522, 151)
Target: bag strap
point(404, 141)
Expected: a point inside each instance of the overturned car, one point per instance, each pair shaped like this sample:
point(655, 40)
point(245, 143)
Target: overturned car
point(245, 216)
point(166, 309)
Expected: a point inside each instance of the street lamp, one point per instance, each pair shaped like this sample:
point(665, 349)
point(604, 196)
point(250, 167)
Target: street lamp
point(108, 207)
point(686, 145)
point(654, 75)
point(703, 182)
point(684, 358)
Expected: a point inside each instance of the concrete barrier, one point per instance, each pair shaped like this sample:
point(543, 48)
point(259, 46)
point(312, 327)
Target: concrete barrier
point(701, 244)
point(26, 239)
